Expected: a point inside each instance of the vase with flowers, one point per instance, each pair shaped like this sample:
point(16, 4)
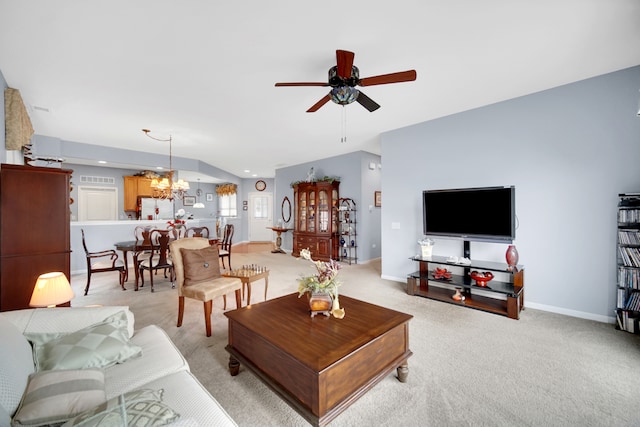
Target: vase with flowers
point(322, 287)
point(178, 222)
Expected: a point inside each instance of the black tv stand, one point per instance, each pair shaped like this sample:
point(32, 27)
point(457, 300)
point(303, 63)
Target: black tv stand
point(503, 295)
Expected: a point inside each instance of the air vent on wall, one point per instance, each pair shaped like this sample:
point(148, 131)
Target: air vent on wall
point(97, 180)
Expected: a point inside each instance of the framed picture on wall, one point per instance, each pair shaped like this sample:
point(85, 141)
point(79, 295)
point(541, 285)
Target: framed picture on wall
point(377, 198)
point(209, 197)
point(189, 200)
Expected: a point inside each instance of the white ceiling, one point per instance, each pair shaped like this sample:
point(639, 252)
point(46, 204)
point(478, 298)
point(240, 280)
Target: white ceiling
point(204, 71)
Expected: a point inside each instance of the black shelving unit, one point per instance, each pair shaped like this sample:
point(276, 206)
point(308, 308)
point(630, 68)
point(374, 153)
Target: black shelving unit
point(347, 222)
point(628, 260)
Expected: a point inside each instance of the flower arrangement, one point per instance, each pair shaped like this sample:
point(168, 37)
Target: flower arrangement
point(178, 222)
point(324, 281)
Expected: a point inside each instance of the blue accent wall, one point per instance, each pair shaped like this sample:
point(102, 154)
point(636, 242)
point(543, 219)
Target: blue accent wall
point(569, 151)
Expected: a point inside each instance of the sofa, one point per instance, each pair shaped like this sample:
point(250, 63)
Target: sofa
point(89, 365)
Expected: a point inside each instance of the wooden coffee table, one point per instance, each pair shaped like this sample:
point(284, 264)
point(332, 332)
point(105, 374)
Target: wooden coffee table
point(319, 365)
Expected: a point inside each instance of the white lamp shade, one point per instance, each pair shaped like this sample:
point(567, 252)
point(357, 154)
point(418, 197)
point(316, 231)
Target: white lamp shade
point(51, 289)
point(198, 205)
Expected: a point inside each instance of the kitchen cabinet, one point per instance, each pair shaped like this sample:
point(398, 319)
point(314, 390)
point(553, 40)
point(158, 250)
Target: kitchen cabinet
point(134, 187)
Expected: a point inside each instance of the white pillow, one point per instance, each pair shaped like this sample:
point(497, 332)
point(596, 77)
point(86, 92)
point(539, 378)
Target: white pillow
point(56, 396)
point(100, 345)
point(16, 364)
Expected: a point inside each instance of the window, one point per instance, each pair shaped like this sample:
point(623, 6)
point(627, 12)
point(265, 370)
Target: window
point(228, 205)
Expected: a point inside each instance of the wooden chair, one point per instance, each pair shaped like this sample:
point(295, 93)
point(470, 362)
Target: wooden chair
point(178, 233)
point(158, 258)
point(204, 291)
point(93, 266)
point(225, 245)
point(198, 232)
point(142, 233)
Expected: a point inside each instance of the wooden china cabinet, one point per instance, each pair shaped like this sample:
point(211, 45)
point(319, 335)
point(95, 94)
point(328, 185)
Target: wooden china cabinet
point(34, 229)
point(316, 219)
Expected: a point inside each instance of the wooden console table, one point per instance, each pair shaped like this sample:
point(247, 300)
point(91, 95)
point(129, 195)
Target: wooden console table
point(279, 231)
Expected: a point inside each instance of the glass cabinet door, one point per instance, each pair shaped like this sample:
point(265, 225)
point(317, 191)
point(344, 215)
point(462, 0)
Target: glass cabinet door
point(302, 200)
point(311, 217)
point(323, 211)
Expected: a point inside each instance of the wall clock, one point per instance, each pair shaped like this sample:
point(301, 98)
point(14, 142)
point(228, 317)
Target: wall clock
point(261, 185)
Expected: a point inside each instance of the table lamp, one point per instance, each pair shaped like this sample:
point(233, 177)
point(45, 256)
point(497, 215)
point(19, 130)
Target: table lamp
point(51, 289)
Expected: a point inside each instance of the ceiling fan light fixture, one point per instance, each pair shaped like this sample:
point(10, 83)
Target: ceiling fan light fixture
point(344, 95)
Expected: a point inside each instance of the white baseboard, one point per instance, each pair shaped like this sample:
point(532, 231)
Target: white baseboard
point(572, 313)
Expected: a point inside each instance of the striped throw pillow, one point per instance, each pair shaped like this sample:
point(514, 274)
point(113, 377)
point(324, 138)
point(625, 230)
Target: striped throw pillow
point(56, 396)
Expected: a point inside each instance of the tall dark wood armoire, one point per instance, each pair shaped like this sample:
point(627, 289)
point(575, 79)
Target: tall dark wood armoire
point(315, 219)
point(34, 229)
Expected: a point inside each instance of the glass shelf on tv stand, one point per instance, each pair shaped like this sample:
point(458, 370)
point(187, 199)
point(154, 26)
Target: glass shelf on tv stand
point(507, 286)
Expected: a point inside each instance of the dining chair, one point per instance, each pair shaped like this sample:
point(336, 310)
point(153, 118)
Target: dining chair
point(97, 262)
point(142, 234)
point(198, 232)
point(178, 233)
point(225, 244)
point(197, 272)
point(158, 258)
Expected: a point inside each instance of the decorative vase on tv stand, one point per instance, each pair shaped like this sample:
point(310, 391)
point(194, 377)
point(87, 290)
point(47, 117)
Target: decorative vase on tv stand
point(512, 258)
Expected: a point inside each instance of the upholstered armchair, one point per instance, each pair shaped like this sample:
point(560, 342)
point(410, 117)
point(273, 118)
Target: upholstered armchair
point(197, 269)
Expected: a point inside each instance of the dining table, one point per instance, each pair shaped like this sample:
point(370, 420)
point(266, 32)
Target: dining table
point(136, 247)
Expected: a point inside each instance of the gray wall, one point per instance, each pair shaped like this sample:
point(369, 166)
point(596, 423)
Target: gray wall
point(356, 182)
point(569, 151)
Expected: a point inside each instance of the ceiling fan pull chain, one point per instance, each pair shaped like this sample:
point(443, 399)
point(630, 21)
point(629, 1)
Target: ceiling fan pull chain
point(343, 138)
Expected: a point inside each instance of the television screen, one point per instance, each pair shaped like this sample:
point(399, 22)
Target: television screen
point(481, 214)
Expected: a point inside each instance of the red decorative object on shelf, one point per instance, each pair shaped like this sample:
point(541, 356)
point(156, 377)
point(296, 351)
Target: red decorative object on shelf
point(512, 258)
point(441, 273)
point(481, 278)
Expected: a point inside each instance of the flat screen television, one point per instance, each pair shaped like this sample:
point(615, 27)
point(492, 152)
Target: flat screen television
point(478, 214)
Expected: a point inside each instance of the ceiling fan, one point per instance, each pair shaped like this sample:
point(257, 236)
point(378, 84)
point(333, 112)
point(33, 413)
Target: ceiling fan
point(344, 77)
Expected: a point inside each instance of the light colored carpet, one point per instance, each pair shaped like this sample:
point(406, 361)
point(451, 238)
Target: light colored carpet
point(468, 368)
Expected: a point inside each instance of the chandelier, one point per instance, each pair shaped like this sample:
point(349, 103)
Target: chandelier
point(167, 188)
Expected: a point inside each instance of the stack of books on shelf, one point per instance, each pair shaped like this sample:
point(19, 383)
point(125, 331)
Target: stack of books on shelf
point(627, 321)
point(630, 256)
point(628, 216)
point(633, 302)
point(629, 237)
point(628, 278)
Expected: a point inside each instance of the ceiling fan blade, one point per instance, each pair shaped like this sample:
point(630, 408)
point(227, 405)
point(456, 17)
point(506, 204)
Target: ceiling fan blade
point(367, 102)
point(344, 60)
point(302, 84)
point(402, 76)
point(319, 104)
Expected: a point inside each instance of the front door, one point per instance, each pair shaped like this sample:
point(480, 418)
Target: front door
point(260, 217)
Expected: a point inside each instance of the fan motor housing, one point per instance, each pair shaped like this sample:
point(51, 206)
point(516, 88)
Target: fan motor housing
point(335, 80)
